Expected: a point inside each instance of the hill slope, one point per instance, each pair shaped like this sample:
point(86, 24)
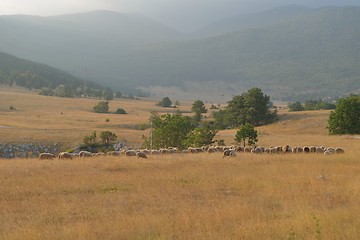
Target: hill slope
point(36, 76)
point(311, 56)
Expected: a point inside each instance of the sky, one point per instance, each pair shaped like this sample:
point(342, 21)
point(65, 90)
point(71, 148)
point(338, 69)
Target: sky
point(184, 15)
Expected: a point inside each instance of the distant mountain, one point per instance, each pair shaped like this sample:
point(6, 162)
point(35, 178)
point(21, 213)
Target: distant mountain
point(88, 45)
point(257, 20)
point(33, 75)
point(314, 53)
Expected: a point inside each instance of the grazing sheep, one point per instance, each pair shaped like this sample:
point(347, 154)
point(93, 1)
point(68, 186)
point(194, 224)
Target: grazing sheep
point(64, 155)
point(312, 149)
point(130, 153)
point(212, 150)
point(239, 148)
point(229, 153)
point(248, 149)
point(99, 154)
point(320, 149)
point(141, 155)
point(306, 149)
point(286, 149)
point(43, 156)
point(192, 150)
point(155, 152)
point(257, 150)
point(113, 153)
point(85, 154)
point(339, 150)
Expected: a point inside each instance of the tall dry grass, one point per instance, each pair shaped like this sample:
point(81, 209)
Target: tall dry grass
point(197, 196)
point(201, 196)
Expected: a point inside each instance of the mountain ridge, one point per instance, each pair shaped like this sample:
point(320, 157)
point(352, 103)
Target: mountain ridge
point(297, 58)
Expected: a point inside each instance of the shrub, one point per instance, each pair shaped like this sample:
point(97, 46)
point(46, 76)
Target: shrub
point(101, 107)
point(120, 111)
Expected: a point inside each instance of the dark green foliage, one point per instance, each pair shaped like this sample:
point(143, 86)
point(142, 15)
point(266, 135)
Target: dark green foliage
point(250, 107)
point(316, 52)
point(201, 136)
point(165, 102)
point(318, 105)
point(247, 133)
point(107, 137)
point(101, 107)
point(118, 94)
point(169, 130)
point(295, 107)
point(120, 111)
point(198, 108)
point(311, 105)
point(90, 139)
point(346, 117)
point(51, 81)
point(108, 94)
point(91, 144)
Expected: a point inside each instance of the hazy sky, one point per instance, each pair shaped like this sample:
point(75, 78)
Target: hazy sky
point(181, 14)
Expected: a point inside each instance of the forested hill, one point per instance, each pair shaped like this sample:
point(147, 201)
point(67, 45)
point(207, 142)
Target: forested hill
point(311, 55)
point(33, 75)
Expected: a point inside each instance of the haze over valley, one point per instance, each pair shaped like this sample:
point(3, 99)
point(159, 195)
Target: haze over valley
point(292, 52)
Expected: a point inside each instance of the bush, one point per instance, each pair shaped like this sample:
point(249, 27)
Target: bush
point(120, 111)
point(346, 117)
point(165, 102)
point(101, 107)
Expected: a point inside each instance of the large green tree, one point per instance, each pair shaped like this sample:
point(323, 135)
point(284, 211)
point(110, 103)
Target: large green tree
point(198, 108)
point(201, 136)
point(247, 133)
point(169, 130)
point(346, 117)
point(251, 107)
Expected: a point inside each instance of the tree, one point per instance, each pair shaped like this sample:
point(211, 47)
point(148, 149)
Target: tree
point(201, 136)
point(101, 107)
point(198, 108)
point(120, 111)
point(91, 139)
point(165, 102)
point(345, 119)
point(108, 94)
point(169, 130)
point(296, 106)
point(251, 107)
point(107, 137)
point(246, 132)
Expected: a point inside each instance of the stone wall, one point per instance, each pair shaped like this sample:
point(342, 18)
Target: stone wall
point(27, 150)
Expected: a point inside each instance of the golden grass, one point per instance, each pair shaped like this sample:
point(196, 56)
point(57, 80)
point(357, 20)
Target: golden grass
point(39, 119)
point(201, 196)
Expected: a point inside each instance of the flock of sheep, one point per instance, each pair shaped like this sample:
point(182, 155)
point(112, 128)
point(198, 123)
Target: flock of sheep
point(227, 151)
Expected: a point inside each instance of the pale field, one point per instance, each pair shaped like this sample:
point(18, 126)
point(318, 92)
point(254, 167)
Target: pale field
point(195, 196)
point(39, 119)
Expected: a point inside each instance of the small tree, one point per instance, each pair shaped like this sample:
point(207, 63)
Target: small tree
point(108, 94)
point(120, 111)
point(107, 137)
point(296, 106)
point(91, 139)
point(246, 132)
point(346, 117)
point(101, 107)
point(198, 108)
point(201, 136)
point(165, 102)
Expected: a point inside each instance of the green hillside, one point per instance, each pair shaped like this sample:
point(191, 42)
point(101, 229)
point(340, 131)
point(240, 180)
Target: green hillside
point(309, 56)
point(32, 75)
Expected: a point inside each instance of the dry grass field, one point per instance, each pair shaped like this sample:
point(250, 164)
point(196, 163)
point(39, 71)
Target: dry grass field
point(187, 196)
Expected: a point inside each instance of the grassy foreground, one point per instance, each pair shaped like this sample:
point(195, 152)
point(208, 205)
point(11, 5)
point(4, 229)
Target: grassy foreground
point(201, 196)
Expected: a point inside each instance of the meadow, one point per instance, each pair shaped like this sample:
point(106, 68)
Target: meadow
point(183, 196)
